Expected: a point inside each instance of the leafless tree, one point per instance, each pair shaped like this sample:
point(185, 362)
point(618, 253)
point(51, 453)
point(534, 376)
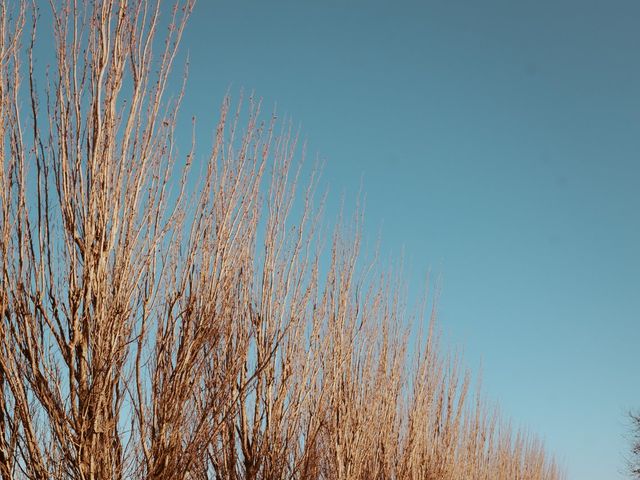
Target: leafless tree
point(634, 460)
point(153, 326)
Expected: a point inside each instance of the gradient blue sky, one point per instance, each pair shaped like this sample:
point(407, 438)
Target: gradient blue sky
point(498, 145)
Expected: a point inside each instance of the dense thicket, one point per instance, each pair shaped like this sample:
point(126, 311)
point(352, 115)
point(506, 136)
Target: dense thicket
point(152, 327)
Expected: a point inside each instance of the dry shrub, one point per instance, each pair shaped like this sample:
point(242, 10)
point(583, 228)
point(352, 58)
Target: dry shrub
point(151, 328)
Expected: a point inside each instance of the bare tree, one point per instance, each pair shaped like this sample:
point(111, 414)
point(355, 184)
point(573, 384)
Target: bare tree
point(634, 460)
point(157, 327)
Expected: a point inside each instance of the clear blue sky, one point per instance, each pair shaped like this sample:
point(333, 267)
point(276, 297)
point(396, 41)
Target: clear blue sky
point(498, 144)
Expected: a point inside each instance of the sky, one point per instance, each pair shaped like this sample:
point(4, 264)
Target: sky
point(497, 146)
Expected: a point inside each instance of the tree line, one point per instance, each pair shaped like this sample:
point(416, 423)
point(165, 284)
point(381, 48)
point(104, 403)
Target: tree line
point(160, 327)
